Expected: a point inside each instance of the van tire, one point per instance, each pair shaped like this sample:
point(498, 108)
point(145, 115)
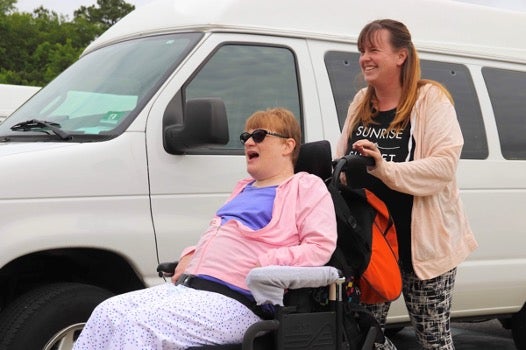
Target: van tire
point(518, 328)
point(56, 311)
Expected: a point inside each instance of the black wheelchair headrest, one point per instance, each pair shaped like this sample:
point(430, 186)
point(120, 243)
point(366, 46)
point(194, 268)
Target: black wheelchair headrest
point(315, 158)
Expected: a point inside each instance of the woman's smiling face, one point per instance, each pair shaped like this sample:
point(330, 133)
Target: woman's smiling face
point(380, 62)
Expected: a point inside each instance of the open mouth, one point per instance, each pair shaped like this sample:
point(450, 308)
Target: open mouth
point(252, 155)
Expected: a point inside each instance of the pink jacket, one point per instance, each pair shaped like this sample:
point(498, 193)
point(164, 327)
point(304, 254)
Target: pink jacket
point(302, 232)
point(441, 237)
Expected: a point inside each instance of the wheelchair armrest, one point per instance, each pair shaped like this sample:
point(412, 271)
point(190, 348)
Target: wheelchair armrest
point(166, 269)
point(268, 283)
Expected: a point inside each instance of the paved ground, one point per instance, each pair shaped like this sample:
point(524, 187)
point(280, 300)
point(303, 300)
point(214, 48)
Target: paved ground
point(489, 335)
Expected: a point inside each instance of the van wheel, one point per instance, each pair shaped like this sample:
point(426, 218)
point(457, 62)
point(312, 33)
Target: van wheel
point(518, 328)
point(49, 317)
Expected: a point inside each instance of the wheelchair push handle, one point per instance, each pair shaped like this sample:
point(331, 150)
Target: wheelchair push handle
point(347, 162)
point(358, 160)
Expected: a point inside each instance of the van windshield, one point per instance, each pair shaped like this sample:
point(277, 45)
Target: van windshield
point(98, 96)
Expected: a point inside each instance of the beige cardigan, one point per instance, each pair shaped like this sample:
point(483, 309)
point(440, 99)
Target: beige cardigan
point(441, 237)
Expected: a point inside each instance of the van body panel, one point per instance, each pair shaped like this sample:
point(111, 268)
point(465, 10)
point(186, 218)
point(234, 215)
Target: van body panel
point(59, 195)
point(118, 188)
point(188, 199)
point(42, 224)
point(346, 20)
point(69, 170)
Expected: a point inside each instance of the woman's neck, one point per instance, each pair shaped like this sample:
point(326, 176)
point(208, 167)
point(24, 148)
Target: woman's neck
point(388, 98)
point(273, 180)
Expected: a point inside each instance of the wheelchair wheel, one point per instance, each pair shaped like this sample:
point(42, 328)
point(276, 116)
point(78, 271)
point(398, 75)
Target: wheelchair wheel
point(50, 317)
point(393, 330)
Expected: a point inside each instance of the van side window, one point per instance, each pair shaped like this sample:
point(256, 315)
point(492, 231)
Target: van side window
point(247, 78)
point(506, 90)
point(456, 78)
point(345, 79)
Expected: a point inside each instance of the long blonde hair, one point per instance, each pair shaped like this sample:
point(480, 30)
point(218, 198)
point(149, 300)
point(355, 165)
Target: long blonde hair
point(410, 77)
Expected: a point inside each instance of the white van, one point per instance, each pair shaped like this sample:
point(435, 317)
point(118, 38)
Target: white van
point(13, 96)
point(118, 163)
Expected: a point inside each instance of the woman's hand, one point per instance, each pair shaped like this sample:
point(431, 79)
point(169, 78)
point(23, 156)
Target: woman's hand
point(368, 149)
point(181, 266)
point(343, 178)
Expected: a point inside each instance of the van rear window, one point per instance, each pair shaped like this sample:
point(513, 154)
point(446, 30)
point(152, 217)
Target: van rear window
point(506, 90)
point(457, 79)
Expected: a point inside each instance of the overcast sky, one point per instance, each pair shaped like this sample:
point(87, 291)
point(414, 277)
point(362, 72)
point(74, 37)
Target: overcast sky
point(66, 7)
point(516, 5)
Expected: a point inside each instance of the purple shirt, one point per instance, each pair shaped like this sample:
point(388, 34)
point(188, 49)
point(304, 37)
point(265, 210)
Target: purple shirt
point(252, 207)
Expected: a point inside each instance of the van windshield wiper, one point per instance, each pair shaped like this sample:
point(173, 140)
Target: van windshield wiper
point(32, 124)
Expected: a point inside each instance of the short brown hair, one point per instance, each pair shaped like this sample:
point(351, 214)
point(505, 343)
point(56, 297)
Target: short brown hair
point(279, 120)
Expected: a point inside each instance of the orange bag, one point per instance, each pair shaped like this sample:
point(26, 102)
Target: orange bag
point(381, 281)
point(367, 248)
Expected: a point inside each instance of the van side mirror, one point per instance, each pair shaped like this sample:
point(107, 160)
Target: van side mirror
point(205, 124)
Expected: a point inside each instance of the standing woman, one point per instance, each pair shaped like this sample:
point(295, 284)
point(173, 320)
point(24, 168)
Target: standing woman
point(409, 126)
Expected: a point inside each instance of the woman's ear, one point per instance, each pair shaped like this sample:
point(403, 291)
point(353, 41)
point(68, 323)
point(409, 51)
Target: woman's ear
point(289, 146)
point(402, 56)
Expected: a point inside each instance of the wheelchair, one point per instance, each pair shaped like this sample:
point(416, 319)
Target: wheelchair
point(297, 324)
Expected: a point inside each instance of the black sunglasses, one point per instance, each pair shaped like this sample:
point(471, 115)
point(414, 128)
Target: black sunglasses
point(258, 135)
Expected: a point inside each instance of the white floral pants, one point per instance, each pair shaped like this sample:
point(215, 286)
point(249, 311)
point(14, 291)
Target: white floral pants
point(165, 317)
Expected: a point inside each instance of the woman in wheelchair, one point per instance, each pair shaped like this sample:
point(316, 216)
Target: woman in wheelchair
point(275, 217)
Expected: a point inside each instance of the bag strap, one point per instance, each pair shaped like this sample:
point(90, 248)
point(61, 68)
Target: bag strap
point(342, 210)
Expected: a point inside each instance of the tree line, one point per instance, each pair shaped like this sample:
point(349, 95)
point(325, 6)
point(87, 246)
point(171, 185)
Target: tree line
point(35, 47)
